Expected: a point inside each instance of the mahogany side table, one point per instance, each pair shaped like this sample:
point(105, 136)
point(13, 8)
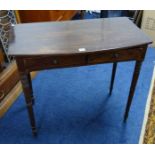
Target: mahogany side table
point(38, 46)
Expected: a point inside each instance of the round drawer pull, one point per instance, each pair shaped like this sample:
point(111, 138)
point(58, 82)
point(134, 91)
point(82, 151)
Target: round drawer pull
point(116, 55)
point(141, 49)
point(55, 61)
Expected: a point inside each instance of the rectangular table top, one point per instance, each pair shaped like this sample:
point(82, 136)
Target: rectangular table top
point(77, 36)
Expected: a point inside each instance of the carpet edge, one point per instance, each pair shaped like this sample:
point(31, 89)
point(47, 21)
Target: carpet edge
point(147, 107)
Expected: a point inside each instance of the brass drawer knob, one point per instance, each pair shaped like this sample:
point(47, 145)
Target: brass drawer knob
point(55, 61)
point(116, 55)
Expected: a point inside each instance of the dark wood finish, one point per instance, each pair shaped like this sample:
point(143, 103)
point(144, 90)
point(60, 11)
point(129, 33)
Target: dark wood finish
point(9, 76)
point(31, 88)
point(132, 88)
point(76, 43)
point(29, 100)
point(36, 63)
point(113, 76)
point(94, 35)
point(28, 93)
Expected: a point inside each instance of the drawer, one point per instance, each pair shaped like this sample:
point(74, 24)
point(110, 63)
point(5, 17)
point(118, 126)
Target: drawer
point(119, 55)
point(45, 62)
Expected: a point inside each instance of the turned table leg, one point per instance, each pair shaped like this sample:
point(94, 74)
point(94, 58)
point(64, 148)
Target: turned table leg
point(113, 77)
point(132, 87)
point(27, 89)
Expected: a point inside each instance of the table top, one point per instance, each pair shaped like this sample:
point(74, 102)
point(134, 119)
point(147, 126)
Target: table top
point(77, 36)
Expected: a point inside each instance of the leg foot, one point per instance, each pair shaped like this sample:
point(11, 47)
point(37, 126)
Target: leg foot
point(34, 132)
point(27, 89)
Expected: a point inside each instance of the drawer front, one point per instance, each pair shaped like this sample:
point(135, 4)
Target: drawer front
point(44, 62)
point(114, 56)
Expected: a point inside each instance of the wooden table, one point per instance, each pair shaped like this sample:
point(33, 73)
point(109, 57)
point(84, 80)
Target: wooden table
point(48, 45)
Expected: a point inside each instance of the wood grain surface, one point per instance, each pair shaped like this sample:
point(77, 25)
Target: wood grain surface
point(72, 37)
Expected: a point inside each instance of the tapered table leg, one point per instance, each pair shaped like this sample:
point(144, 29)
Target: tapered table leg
point(30, 83)
point(27, 89)
point(113, 77)
point(132, 87)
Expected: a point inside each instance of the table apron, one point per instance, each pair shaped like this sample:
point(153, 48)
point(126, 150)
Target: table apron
point(35, 63)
